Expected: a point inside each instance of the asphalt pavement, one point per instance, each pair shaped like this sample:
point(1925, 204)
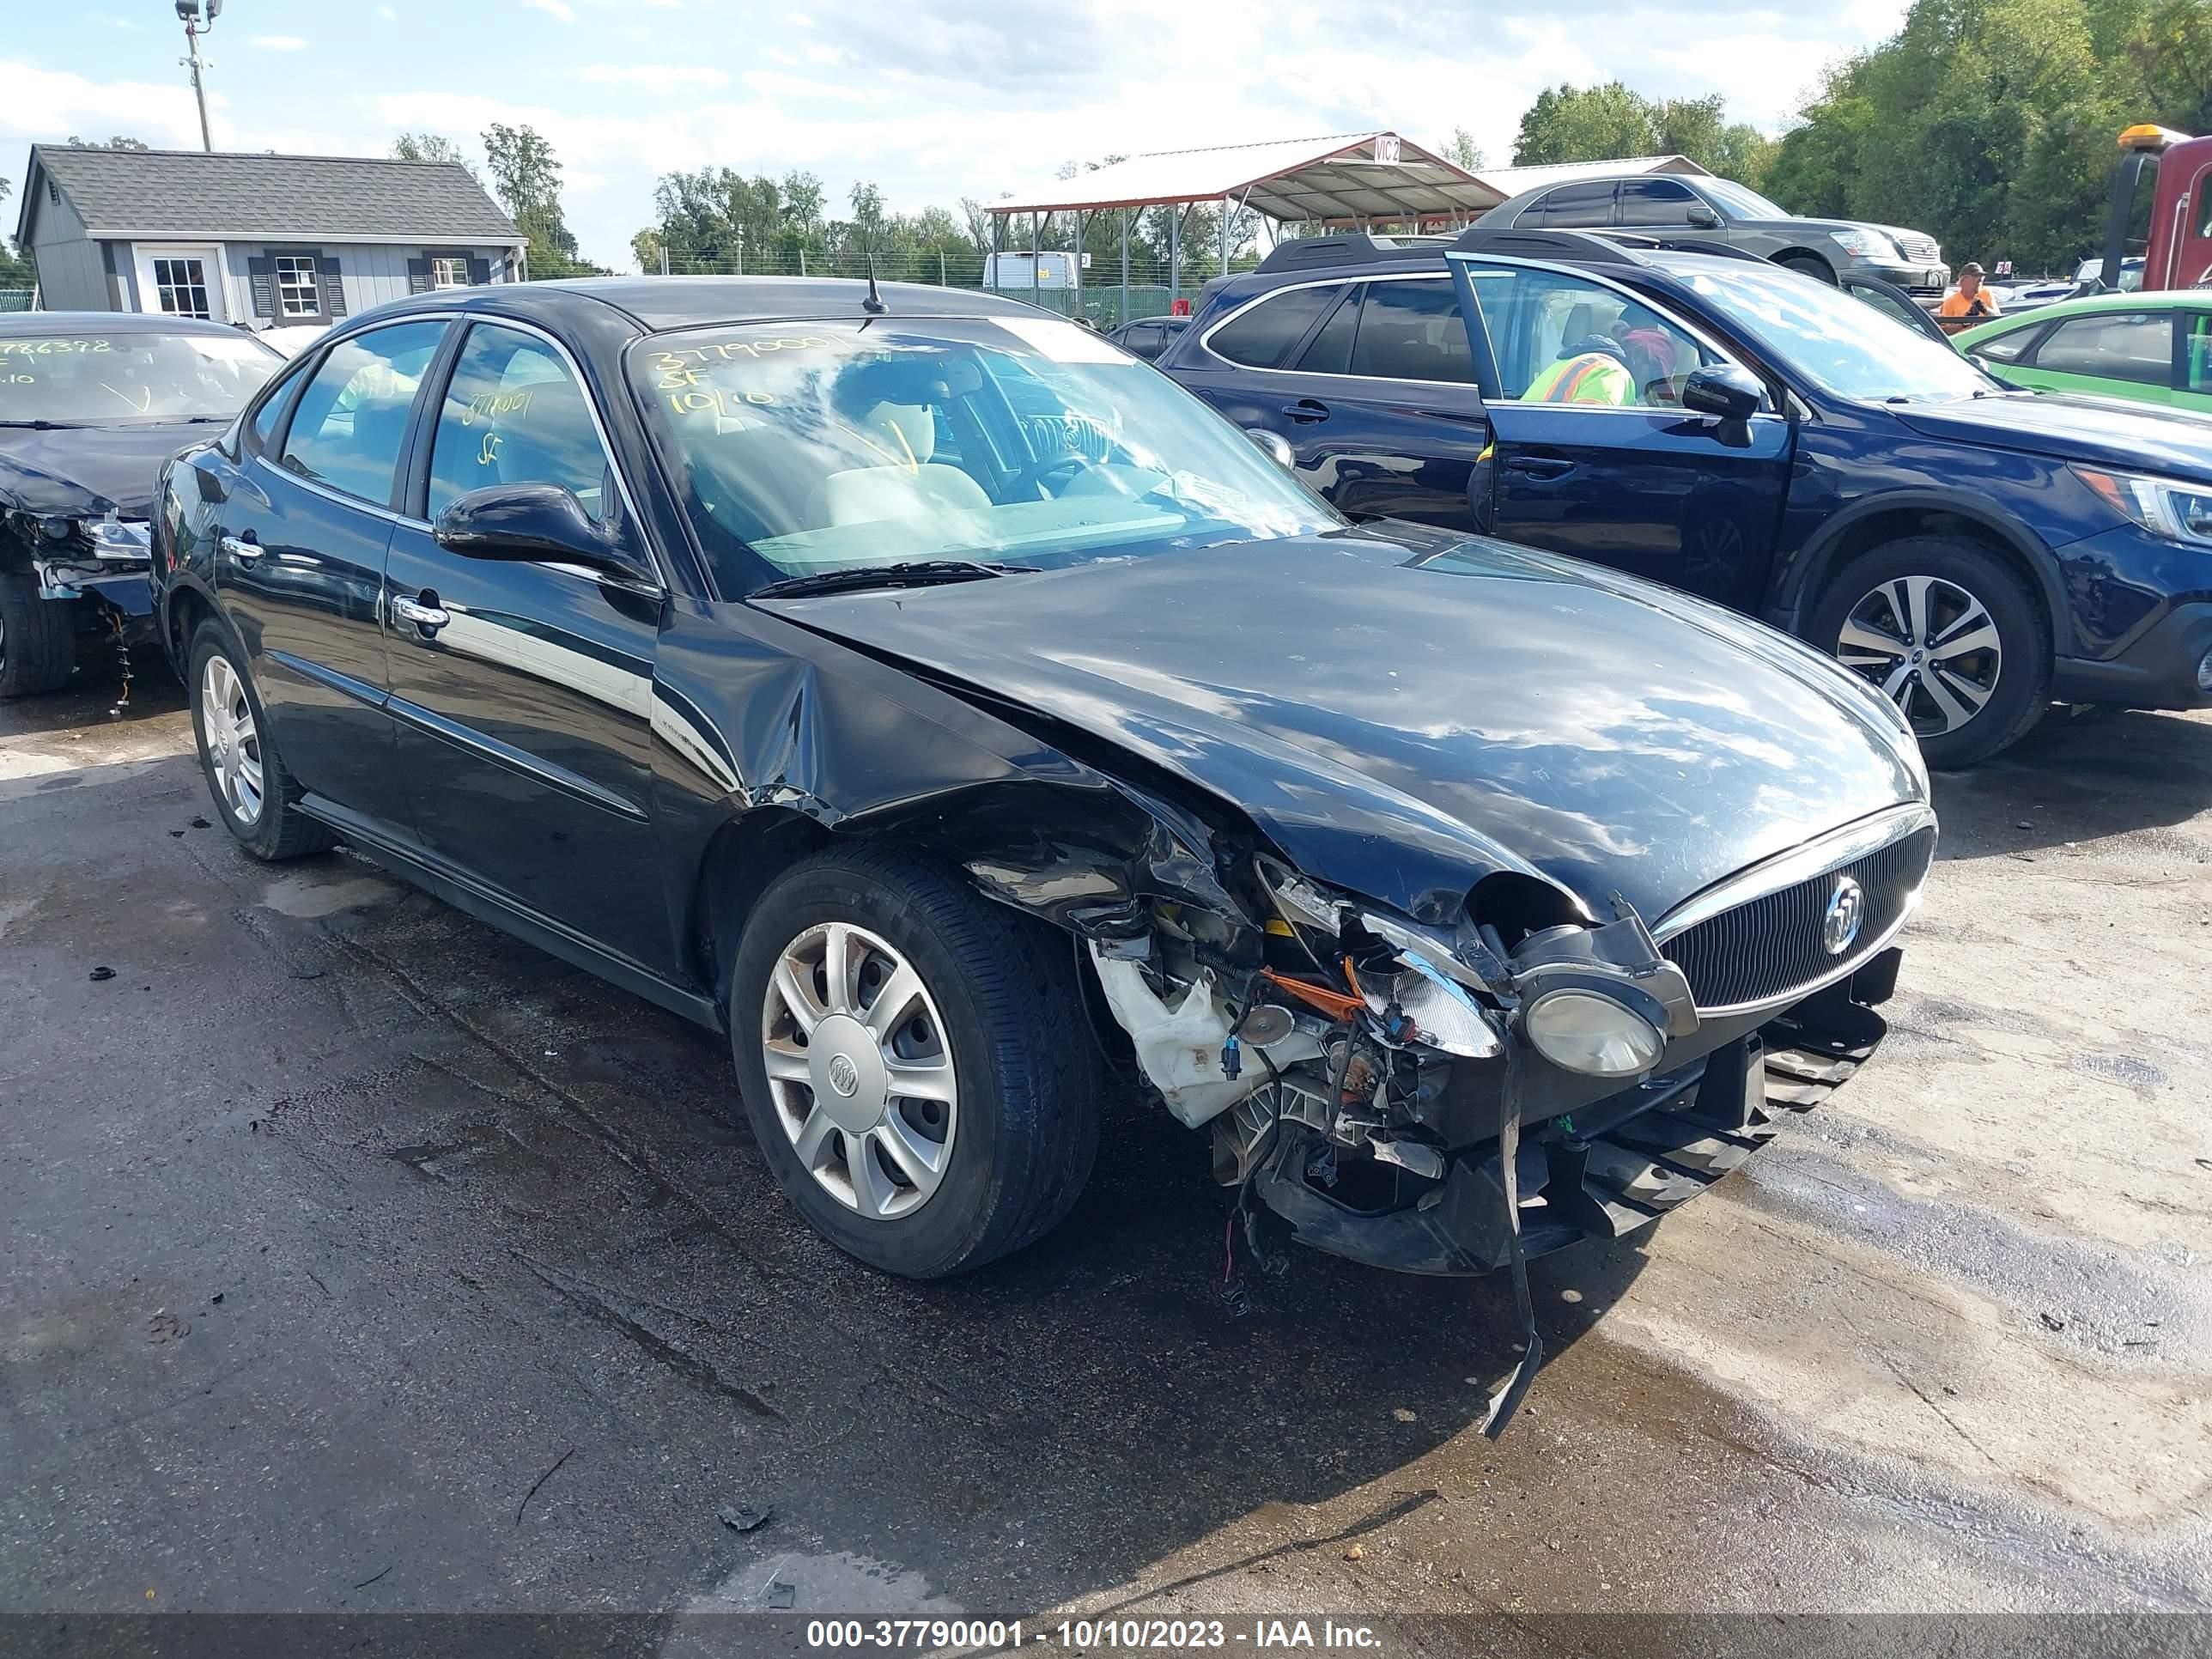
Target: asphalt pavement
point(356, 1258)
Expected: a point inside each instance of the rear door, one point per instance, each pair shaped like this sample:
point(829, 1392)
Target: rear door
point(1592, 452)
point(1371, 383)
point(522, 693)
point(299, 561)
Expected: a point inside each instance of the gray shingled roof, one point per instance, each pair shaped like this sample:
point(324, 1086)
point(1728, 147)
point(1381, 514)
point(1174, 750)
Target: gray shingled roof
point(144, 194)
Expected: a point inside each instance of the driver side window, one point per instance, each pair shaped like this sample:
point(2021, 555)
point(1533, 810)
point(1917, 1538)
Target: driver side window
point(1561, 338)
point(513, 413)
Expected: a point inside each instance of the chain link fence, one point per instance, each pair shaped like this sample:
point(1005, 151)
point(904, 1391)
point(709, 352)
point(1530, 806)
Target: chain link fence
point(1098, 294)
point(17, 299)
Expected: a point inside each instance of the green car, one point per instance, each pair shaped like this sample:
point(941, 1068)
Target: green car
point(2153, 348)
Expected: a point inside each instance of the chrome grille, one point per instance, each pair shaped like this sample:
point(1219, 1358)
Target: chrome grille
point(1768, 949)
point(1921, 250)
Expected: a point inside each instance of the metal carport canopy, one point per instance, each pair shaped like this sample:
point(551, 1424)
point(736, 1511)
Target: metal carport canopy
point(1336, 178)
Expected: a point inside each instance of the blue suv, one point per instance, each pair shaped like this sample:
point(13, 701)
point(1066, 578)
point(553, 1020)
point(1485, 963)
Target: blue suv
point(1734, 429)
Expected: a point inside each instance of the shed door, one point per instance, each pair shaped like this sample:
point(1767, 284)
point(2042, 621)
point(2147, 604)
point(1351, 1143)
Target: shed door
point(181, 282)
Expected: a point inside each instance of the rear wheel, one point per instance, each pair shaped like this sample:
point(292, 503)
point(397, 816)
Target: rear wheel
point(913, 1062)
point(253, 792)
point(1806, 265)
point(1950, 633)
point(38, 638)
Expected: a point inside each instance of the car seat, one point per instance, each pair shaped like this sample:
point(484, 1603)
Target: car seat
point(903, 482)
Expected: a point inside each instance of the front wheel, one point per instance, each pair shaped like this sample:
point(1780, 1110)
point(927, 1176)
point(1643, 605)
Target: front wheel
point(1806, 265)
point(1951, 633)
point(913, 1061)
point(38, 638)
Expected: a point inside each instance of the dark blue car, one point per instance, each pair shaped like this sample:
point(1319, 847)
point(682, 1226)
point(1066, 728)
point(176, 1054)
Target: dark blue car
point(1732, 429)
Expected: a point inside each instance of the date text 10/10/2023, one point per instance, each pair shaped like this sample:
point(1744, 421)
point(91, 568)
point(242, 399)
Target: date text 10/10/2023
point(1085, 1635)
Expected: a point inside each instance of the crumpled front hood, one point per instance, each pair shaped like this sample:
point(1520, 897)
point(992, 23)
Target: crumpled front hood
point(1403, 713)
point(2133, 438)
point(86, 471)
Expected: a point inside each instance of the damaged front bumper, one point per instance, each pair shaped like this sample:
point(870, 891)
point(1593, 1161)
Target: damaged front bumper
point(1603, 1171)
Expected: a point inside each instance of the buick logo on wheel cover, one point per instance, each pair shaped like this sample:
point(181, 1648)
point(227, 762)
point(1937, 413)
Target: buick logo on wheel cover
point(1839, 929)
point(845, 1077)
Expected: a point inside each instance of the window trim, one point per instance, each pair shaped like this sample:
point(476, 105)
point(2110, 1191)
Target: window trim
point(1779, 391)
point(1206, 340)
point(314, 280)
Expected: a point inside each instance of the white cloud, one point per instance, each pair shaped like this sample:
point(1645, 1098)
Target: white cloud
point(560, 9)
point(278, 42)
point(43, 105)
point(653, 75)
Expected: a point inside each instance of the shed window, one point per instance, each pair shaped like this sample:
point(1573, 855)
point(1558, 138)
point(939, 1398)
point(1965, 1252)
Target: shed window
point(448, 270)
point(297, 290)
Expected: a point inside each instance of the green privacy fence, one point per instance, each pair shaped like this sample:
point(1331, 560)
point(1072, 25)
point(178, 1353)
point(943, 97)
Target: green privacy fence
point(17, 299)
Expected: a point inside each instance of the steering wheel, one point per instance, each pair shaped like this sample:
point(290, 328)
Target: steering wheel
point(1031, 478)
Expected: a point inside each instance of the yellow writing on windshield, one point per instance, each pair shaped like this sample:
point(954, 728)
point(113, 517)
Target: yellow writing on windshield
point(713, 400)
point(51, 348)
point(676, 359)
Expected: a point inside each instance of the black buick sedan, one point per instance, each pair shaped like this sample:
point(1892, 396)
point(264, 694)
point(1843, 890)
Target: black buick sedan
point(927, 693)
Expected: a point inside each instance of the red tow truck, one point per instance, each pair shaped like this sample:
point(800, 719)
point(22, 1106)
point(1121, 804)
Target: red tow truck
point(2178, 234)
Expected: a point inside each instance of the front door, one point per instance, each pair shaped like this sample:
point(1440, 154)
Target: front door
point(182, 282)
point(299, 563)
point(522, 693)
point(1592, 452)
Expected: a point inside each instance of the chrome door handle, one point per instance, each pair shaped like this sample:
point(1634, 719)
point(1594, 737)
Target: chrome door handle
point(424, 617)
point(239, 548)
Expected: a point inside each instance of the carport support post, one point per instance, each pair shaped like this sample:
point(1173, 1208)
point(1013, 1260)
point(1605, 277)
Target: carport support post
point(1034, 283)
point(1226, 209)
point(998, 237)
point(1125, 265)
point(1174, 257)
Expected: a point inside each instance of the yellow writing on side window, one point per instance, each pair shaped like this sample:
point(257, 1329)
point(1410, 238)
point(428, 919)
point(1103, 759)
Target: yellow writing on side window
point(488, 405)
point(51, 348)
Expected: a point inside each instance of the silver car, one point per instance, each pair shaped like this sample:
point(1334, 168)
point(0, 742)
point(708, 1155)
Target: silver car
point(1699, 210)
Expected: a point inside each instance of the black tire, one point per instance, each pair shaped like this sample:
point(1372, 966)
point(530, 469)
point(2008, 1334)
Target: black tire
point(2020, 690)
point(1806, 264)
point(38, 638)
point(1005, 989)
point(280, 831)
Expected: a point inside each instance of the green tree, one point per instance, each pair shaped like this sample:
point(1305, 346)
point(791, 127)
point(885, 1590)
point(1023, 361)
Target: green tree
point(1601, 124)
point(526, 178)
point(16, 270)
point(76, 143)
point(1463, 151)
point(431, 147)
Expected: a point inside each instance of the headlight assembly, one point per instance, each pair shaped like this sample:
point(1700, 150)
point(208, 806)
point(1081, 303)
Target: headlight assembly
point(1865, 244)
point(120, 538)
point(1583, 1029)
point(2165, 507)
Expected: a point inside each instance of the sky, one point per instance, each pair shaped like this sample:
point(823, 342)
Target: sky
point(930, 100)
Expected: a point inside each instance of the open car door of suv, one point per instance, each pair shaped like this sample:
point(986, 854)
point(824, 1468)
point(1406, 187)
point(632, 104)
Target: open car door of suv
point(1593, 452)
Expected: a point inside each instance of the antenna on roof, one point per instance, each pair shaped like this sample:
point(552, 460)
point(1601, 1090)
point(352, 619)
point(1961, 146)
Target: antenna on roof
point(873, 305)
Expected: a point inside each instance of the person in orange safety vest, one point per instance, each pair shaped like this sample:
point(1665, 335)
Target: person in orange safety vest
point(1593, 370)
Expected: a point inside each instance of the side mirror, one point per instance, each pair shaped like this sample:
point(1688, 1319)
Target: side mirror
point(1732, 393)
point(529, 523)
point(1273, 446)
point(1702, 217)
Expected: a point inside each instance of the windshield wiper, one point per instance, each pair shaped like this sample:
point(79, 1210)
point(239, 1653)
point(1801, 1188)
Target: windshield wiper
point(43, 426)
point(918, 573)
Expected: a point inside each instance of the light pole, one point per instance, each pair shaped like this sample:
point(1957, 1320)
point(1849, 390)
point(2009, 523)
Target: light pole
point(189, 12)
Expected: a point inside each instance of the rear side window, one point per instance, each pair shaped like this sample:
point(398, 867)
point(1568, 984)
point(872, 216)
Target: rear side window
point(1264, 335)
point(2199, 345)
point(1570, 206)
point(1413, 331)
point(352, 417)
point(2137, 346)
point(1329, 352)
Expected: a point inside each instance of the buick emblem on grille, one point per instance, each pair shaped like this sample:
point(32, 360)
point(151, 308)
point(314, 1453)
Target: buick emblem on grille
point(1840, 927)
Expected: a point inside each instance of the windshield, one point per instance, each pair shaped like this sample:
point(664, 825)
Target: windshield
point(1843, 345)
point(126, 377)
point(1743, 203)
point(808, 449)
